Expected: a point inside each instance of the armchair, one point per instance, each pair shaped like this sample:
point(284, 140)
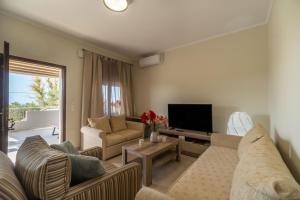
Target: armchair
point(51, 170)
point(111, 143)
point(115, 184)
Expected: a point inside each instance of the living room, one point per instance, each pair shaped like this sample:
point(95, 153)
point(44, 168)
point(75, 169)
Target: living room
point(238, 57)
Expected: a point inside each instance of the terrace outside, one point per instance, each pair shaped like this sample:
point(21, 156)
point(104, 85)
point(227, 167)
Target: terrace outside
point(33, 110)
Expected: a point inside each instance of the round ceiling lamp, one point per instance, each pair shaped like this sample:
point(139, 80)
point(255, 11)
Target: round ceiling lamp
point(116, 5)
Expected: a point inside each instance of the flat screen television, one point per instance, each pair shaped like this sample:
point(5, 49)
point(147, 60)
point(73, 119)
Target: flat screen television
point(196, 117)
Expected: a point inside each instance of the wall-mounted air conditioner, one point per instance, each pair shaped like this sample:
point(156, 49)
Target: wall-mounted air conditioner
point(148, 61)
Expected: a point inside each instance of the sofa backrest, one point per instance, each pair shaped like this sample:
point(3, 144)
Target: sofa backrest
point(251, 137)
point(44, 172)
point(261, 174)
point(10, 187)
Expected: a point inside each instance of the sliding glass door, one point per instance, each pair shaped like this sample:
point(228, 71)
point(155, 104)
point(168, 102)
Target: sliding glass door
point(36, 102)
point(4, 82)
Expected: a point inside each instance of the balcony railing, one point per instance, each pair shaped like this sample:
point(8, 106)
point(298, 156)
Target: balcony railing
point(19, 113)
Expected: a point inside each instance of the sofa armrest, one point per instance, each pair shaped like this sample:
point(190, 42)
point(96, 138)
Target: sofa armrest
point(149, 194)
point(122, 183)
point(136, 126)
point(92, 131)
point(223, 140)
point(94, 151)
point(91, 137)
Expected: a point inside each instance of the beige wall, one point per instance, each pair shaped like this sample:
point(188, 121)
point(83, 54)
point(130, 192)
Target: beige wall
point(230, 72)
point(284, 85)
point(35, 42)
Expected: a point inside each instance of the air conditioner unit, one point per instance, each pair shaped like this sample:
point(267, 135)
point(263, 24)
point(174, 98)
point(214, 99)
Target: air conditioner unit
point(151, 60)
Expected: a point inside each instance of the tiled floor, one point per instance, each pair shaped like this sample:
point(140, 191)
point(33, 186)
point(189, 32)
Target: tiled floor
point(15, 139)
point(165, 175)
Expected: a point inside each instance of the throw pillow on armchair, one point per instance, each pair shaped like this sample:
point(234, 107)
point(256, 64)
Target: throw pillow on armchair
point(83, 167)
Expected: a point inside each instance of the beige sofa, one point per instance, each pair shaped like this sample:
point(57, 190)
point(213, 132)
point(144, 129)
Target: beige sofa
point(235, 168)
point(111, 143)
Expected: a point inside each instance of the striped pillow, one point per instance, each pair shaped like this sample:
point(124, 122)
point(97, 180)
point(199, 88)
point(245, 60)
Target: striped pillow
point(44, 172)
point(10, 187)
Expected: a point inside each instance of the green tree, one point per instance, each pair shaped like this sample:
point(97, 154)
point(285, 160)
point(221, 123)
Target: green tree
point(17, 110)
point(26, 105)
point(53, 92)
point(39, 89)
point(31, 105)
point(15, 104)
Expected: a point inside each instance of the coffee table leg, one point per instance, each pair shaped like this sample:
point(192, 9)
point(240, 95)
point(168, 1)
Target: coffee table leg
point(178, 151)
point(124, 156)
point(147, 171)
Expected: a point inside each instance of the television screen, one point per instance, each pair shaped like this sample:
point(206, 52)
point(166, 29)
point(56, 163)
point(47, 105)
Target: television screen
point(191, 116)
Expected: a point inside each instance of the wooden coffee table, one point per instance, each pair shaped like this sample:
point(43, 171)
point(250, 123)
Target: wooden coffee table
point(147, 152)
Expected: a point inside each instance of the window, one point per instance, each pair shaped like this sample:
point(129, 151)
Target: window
point(112, 100)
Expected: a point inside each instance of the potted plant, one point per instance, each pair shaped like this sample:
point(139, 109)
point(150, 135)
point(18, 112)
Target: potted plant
point(154, 121)
point(11, 124)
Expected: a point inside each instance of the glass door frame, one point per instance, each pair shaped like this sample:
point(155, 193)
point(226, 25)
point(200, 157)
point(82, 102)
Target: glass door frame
point(4, 97)
point(63, 87)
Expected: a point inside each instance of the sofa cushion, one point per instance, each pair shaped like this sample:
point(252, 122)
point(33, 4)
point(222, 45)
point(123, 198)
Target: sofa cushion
point(83, 167)
point(45, 173)
point(115, 138)
point(101, 123)
point(118, 123)
point(10, 187)
point(66, 147)
point(130, 134)
point(252, 136)
point(209, 177)
point(262, 175)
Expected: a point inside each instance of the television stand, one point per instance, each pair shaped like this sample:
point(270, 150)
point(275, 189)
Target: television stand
point(193, 143)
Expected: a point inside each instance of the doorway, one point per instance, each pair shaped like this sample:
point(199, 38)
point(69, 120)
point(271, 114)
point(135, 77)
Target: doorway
point(37, 101)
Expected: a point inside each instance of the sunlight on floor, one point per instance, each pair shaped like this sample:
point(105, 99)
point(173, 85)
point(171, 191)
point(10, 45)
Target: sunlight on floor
point(15, 139)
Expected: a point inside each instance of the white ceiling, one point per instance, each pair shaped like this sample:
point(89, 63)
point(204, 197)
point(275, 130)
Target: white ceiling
point(147, 26)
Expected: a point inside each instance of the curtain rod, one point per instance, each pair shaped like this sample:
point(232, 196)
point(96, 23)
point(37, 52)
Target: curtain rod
point(111, 57)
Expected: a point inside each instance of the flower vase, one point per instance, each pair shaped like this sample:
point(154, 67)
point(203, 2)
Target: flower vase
point(154, 137)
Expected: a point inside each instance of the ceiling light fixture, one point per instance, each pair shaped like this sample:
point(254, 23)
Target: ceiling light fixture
point(116, 5)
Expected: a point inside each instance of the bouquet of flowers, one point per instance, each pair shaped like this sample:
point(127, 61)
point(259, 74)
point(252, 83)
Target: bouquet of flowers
point(153, 120)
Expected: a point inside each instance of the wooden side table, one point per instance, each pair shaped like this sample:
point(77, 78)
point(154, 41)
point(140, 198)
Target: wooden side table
point(147, 152)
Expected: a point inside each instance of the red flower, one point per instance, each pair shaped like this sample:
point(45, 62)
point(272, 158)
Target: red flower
point(160, 119)
point(144, 117)
point(153, 120)
point(152, 115)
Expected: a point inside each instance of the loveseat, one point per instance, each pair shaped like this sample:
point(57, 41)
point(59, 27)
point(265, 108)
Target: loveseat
point(111, 141)
point(44, 173)
point(235, 168)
